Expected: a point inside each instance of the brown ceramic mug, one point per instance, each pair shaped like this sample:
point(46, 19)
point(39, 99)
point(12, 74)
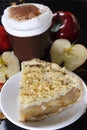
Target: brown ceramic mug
point(28, 27)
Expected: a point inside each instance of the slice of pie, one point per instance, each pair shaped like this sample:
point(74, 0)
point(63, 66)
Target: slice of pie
point(46, 89)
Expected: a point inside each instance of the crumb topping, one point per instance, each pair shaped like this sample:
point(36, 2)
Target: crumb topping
point(43, 81)
point(23, 12)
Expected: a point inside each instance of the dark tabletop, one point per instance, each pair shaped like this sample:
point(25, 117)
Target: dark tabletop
point(79, 8)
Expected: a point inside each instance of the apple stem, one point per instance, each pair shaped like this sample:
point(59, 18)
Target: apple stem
point(55, 28)
point(76, 40)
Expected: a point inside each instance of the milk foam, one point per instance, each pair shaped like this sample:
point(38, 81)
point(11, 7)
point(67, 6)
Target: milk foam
point(30, 27)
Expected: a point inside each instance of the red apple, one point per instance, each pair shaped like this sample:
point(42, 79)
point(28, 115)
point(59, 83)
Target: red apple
point(4, 41)
point(1, 85)
point(65, 25)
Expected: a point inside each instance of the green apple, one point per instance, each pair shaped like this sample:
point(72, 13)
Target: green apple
point(9, 65)
point(71, 55)
point(57, 50)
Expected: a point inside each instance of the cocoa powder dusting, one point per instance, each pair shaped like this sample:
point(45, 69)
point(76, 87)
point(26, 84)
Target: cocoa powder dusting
point(25, 12)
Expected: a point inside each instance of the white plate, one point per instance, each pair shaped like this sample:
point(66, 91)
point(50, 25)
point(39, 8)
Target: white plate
point(0, 102)
point(9, 106)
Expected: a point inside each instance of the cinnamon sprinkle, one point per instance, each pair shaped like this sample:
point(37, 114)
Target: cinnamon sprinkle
point(24, 12)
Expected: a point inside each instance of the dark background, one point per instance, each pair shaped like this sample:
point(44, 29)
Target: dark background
point(79, 9)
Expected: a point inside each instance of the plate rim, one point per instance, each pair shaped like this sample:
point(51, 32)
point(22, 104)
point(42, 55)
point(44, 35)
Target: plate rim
point(57, 126)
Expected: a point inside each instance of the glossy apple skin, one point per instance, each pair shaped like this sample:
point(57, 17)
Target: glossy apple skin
point(4, 41)
point(69, 27)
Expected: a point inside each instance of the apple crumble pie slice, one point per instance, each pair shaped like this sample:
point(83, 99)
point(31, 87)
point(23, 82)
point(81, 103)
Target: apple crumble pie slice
point(46, 89)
